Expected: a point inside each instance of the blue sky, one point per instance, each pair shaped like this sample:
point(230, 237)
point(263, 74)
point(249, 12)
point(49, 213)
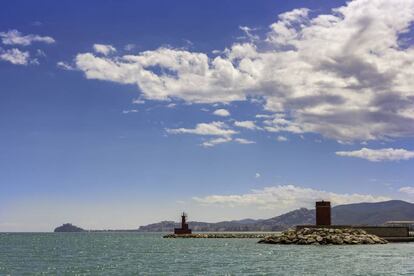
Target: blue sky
point(117, 114)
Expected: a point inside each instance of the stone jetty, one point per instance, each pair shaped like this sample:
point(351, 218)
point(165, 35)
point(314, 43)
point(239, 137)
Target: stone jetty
point(219, 235)
point(321, 236)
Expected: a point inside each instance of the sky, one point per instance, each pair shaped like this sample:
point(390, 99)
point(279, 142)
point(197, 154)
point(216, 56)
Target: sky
point(116, 114)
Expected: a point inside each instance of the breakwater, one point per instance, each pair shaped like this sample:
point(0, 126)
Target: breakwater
point(221, 235)
point(321, 236)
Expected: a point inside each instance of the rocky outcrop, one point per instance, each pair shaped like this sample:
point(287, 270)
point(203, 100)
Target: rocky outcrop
point(321, 236)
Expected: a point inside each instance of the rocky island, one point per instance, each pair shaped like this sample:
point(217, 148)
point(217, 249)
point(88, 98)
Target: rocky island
point(324, 236)
point(68, 227)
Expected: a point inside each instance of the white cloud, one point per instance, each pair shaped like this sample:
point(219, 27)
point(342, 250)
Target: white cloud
point(129, 47)
point(376, 155)
point(221, 132)
point(40, 53)
point(279, 123)
point(15, 56)
point(343, 74)
point(266, 116)
point(210, 129)
point(407, 190)
point(281, 138)
point(138, 101)
point(244, 141)
point(104, 49)
point(245, 124)
point(249, 33)
point(216, 141)
point(129, 111)
point(257, 175)
point(285, 198)
point(222, 112)
point(14, 37)
point(64, 66)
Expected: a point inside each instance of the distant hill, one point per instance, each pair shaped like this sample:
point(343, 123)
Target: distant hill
point(356, 214)
point(373, 213)
point(67, 227)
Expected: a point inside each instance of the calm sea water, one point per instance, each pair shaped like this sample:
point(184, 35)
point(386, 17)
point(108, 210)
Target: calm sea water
point(149, 254)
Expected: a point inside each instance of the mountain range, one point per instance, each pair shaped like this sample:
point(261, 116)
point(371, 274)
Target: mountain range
point(350, 214)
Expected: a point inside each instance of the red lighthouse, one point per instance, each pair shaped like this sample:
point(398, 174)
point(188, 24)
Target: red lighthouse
point(184, 226)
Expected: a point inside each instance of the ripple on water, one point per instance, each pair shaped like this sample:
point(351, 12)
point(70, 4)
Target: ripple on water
point(133, 253)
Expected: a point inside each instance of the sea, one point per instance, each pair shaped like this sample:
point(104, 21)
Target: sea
point(149, 254)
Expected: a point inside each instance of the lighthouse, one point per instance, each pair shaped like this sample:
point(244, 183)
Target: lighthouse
point(184, 226)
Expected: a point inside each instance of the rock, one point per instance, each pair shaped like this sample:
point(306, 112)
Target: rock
point(338, 240)
point(67, 227)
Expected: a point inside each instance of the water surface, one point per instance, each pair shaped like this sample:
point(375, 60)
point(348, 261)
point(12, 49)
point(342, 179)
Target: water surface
point(149, 254)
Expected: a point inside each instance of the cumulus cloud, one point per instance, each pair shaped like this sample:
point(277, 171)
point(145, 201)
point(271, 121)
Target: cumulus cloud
point(14, 37)
point(285, 197)
point(377, 155)
point(222, 112)
point(15, 56)
point(104, 49)
point(245, 124)
point(344, 74)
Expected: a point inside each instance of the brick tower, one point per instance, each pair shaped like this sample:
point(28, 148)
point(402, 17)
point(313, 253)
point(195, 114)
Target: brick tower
point(323, 213)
